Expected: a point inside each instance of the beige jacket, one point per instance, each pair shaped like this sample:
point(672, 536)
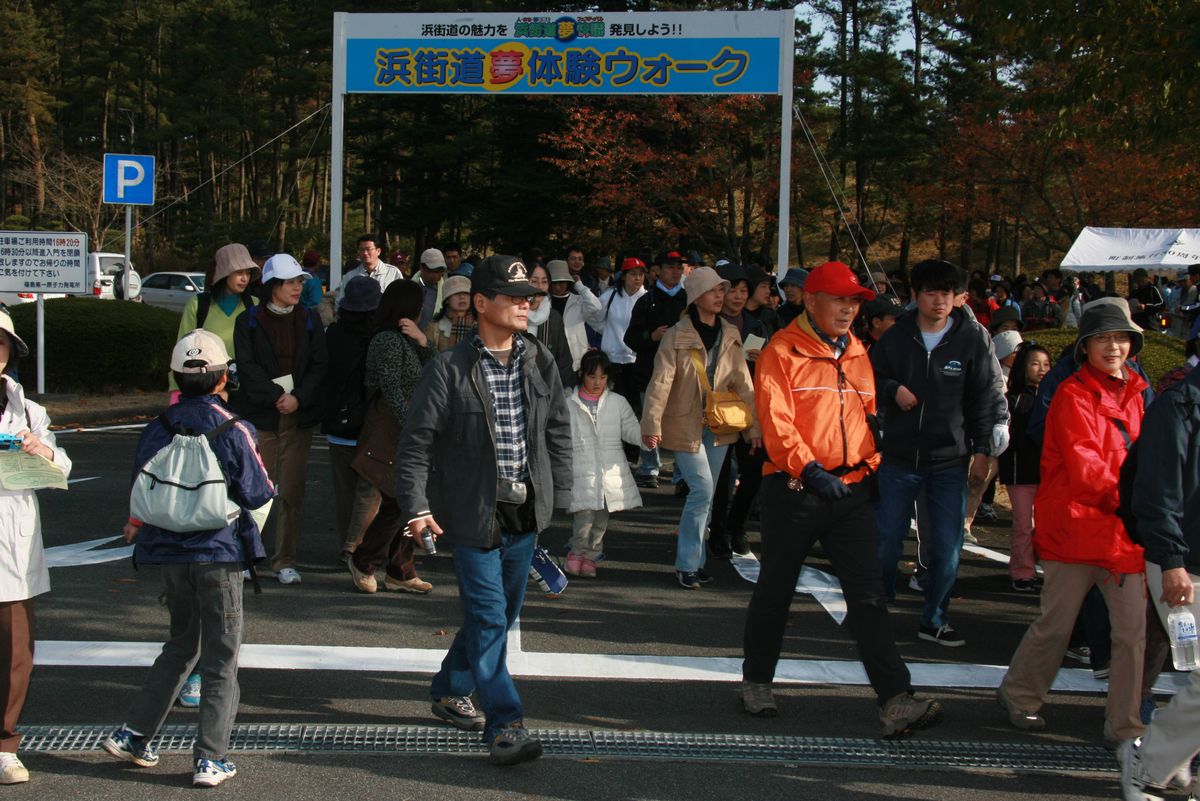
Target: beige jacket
point(674, 407)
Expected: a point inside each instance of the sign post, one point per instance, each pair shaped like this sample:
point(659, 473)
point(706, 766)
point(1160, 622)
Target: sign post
point(128, 180)
point(650, 53)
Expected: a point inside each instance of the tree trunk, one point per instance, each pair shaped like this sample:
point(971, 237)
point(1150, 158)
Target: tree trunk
point(39, 166)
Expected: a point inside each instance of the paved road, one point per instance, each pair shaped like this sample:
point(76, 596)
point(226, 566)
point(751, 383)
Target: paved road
point(633, 609)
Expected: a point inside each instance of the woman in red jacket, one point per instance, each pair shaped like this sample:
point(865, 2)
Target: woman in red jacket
point(1095, 416)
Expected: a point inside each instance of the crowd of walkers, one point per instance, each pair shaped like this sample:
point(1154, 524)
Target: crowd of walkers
point(463, 402)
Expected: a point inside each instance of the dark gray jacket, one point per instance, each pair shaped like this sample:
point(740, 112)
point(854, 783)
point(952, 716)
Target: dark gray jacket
point(1166, 487)
point(446, 459)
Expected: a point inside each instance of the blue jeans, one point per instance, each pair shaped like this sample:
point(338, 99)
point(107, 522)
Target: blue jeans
point(491, 586)
point(946, 496)
point(700, 470)
point(650, 462)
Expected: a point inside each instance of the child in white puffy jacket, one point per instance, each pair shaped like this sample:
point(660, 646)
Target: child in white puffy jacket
point(600, 421)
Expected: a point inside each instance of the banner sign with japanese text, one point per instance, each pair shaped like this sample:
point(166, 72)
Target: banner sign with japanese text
point(715, 52)
point(44, 262)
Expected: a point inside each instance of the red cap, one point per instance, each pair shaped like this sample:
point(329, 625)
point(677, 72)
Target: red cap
point(632, 263)
point(836, 278)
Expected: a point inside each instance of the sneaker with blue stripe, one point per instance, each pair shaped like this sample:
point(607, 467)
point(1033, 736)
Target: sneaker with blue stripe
point(135, 748)
point(189, 693)
point(211, 772)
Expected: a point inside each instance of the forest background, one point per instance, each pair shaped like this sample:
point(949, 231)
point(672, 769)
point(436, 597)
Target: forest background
point(988, 132)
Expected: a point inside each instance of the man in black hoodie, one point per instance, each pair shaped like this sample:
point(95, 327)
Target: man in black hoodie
point(941, 402)
point(652, 315)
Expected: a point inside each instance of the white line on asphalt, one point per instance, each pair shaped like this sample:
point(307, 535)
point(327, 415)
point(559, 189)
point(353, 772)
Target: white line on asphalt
point(84, 553)
point(825, 589)
point(531, 664)
point(98, 428)
point(81, 480)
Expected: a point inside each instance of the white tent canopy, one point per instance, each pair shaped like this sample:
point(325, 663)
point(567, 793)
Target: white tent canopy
point(1126, 249)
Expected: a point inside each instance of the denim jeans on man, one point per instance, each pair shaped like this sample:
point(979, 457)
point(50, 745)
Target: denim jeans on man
point(700, 470)
point(204, 600)
point(946, 495)
point(491, 586)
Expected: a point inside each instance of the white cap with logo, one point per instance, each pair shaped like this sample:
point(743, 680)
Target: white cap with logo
point(199, 351)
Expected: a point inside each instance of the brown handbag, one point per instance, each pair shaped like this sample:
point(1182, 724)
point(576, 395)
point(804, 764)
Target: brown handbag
point(375, 456)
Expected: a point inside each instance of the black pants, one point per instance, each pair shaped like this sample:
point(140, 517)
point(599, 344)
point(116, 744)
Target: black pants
point(791, 522)
point(729, 519)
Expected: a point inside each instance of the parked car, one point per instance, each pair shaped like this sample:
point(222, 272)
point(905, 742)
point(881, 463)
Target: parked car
point(105, 270)
point(171, 290)
point(14, 298)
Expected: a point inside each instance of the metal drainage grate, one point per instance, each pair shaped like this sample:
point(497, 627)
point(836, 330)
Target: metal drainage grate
point(263, 737)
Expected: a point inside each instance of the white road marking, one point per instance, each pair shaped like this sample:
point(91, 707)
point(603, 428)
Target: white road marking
point(81, 480)
point(83, 553)
point(124, 427)
point(530, 664)
point(824, 588)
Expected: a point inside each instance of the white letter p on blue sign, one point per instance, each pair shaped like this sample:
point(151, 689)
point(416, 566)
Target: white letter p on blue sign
point(129, 180)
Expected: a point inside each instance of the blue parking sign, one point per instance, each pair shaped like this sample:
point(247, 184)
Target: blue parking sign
point(128, 180)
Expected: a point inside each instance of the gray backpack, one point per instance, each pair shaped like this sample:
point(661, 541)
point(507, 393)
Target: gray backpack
point(182, 488)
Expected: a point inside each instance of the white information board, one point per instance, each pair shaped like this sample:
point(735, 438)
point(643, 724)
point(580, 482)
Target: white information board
point(44, 262)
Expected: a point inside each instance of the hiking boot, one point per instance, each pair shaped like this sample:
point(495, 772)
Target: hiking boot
point(573, 565)
point(758, 700)
point(587, 568)
point(741, 546)
point(1027, 585)
point(189, 693)
point(514, 744)
point(135, 748)
point(416, 584)
point(11, 769)
point(905, 713)
point(211, 772)
point(1134, 784)
point(688, 579)
point(1019, 718)
point(363, 582)
point(942, 635)
point(459, 712)
point(646, 482)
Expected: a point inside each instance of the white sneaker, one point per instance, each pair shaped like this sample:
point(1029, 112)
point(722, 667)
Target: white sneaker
point(288, 575)
point(11, 769)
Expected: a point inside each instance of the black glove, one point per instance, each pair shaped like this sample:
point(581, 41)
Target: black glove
point(822, 483)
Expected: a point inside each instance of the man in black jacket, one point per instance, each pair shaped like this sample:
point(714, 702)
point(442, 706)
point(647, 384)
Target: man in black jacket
point(1166, 505)
point(652, 315)
point(941, 401)
point(486, 445)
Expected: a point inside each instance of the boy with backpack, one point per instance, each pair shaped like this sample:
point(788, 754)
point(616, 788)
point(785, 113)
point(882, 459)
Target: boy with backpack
point(198, 475)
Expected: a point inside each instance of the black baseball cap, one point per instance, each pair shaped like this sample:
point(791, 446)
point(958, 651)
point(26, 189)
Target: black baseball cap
point(503, 275)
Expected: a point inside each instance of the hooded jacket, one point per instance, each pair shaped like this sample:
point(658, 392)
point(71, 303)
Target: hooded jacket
point(249, 487)
point(1077, 500)
point(959, 388)
point(813, 406)
point(1166, 488)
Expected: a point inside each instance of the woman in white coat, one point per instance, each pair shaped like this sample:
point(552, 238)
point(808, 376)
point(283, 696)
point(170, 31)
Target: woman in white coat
point(23, 571)
point(616, 307)
point(603, 483)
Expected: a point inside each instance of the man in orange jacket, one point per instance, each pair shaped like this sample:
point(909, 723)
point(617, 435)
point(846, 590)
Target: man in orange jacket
point(815, 396)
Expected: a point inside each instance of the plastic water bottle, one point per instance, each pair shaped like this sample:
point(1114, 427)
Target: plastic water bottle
point(1185, 650)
